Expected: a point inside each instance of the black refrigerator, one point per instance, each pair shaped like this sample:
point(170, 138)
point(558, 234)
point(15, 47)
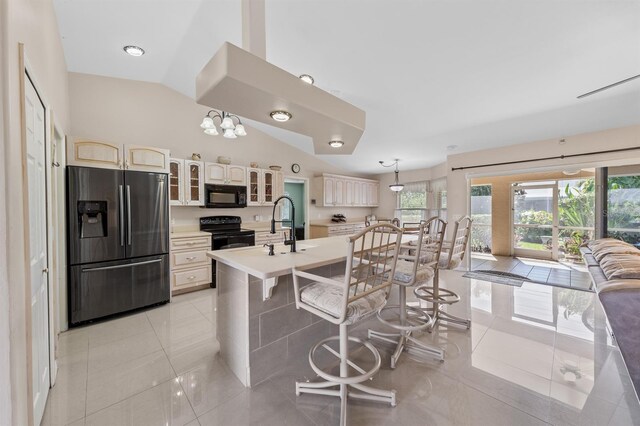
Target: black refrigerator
point(118, 241)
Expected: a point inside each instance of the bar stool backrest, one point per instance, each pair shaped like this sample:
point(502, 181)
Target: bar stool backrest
point(428, 245)
point(459, 241)
point(371, 261)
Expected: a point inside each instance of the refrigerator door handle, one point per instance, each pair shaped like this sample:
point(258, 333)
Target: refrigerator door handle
point(128, 215)
point(121, 211)
point(128, 265)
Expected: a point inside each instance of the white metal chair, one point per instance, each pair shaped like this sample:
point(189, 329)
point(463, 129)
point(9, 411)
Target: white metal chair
point(345, 300)
point(416, 264)
point(451, 257)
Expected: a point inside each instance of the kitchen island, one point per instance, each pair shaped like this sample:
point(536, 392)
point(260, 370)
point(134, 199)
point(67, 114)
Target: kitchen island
point(258, 326)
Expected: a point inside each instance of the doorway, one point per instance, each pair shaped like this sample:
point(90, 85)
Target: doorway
point(35, 137)
point(296, 190)
point(551, 219)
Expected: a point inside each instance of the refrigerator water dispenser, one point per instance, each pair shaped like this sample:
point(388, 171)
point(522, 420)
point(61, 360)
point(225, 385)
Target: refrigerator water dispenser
point(92, 219)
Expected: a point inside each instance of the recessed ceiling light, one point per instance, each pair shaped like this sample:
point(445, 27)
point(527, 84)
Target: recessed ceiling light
point(134, 50)
point(452, 147)
point(336, 144)
point(307, 78)
point(280, 116)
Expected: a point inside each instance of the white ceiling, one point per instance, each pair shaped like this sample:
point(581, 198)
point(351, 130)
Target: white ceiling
point(429, 74)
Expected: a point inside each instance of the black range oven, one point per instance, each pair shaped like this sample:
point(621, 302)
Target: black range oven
point(225, 196)
point(226, 233)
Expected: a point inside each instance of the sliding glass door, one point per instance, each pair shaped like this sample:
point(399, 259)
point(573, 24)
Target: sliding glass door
point(535, 220)
point(552, 219)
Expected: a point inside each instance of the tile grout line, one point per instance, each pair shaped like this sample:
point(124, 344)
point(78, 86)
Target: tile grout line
point(173, 368)
point(137, 393)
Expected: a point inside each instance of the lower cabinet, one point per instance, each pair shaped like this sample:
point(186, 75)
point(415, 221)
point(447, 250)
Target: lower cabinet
point(265, 237)
point(321, 231)
point(190, 266)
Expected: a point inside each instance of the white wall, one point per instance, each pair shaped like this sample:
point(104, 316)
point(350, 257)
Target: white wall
point(134, 112)
point(33, 23)
point(625, 137)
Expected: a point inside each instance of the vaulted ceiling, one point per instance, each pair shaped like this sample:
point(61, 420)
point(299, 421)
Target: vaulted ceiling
point(429, 74)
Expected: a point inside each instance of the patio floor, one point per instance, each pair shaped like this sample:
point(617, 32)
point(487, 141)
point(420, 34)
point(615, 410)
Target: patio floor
point(560, 274)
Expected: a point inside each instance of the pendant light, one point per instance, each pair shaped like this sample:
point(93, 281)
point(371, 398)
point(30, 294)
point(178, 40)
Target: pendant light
point(396, 186)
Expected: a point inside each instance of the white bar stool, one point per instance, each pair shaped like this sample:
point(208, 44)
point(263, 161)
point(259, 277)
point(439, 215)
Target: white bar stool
point(451, 257)
point(345, 300)
point(417, 266)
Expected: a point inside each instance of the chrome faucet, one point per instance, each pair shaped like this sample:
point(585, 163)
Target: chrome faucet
point(292, 231)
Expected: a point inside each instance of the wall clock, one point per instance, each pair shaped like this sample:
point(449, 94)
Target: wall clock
point(295, 168)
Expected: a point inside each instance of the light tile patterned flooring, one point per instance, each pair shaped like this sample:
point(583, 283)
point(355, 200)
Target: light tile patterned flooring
point(559, 274)
point(534, 355)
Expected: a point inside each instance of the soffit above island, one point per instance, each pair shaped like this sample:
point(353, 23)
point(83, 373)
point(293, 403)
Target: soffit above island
point(239, 82)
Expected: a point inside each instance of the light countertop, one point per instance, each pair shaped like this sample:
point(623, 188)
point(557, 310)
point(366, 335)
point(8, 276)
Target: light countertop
point(310, 253)
point(188, 234)
point(262, 226)
point(348, 222)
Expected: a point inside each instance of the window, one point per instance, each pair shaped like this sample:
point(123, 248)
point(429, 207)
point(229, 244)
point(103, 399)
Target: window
point(623, 210)
point(412, 203)
point(481, 215)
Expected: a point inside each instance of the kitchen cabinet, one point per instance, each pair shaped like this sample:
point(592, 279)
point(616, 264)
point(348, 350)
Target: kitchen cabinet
point(344, 191)
point(190, 266)
point(176, 182)
point(225, 174)
point(263, 186)
point(335, 229)
point(107, 155)
point(186, 182)
point(193, 183)
point(265, 237)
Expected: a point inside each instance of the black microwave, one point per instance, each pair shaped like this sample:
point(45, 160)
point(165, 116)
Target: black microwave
point(225, 196)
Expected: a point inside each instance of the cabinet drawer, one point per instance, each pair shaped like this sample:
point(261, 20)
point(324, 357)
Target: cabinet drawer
point(188, 258)
point(191, 243)
point(190, 277)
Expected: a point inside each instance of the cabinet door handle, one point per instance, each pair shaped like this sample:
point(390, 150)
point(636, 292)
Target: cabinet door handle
point(191, 258)
point(192, 277)
point(190, 243)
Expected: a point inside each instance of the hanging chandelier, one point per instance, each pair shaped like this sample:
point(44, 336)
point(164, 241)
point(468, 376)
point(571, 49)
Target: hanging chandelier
point(396, 186)
point(230, 130)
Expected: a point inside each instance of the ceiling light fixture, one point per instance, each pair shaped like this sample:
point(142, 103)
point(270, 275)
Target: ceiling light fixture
point(229, 128)
point(396, 186)
point(336, 143)
point(452, 147)
point(307, 78)
point(281, 116)
point(134, 50)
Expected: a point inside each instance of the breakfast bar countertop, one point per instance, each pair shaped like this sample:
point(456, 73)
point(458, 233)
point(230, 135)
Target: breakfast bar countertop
point(309, 253)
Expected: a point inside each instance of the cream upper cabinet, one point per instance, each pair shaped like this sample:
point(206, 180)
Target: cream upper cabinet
point(225, 174)
point(357, 193)
point(95, 154)
point(254, 183)
point(268, 186)
point(279, 182)
point(344, 191)
point(329, 185)
point(215, 173)
point(193, 183)
point(236, 175)
point(348, 192)
point(176, 182)
point(117, 156)
point(339, 192)
point(146, 158)
point(263, 186)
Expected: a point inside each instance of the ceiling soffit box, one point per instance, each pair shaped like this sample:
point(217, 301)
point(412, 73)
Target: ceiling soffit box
point(237, 81)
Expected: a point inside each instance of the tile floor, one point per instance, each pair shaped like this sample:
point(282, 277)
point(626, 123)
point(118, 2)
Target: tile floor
point(534, 355)
point(559, 274)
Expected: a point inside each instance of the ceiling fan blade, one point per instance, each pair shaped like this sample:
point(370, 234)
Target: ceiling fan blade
point(608, 87)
